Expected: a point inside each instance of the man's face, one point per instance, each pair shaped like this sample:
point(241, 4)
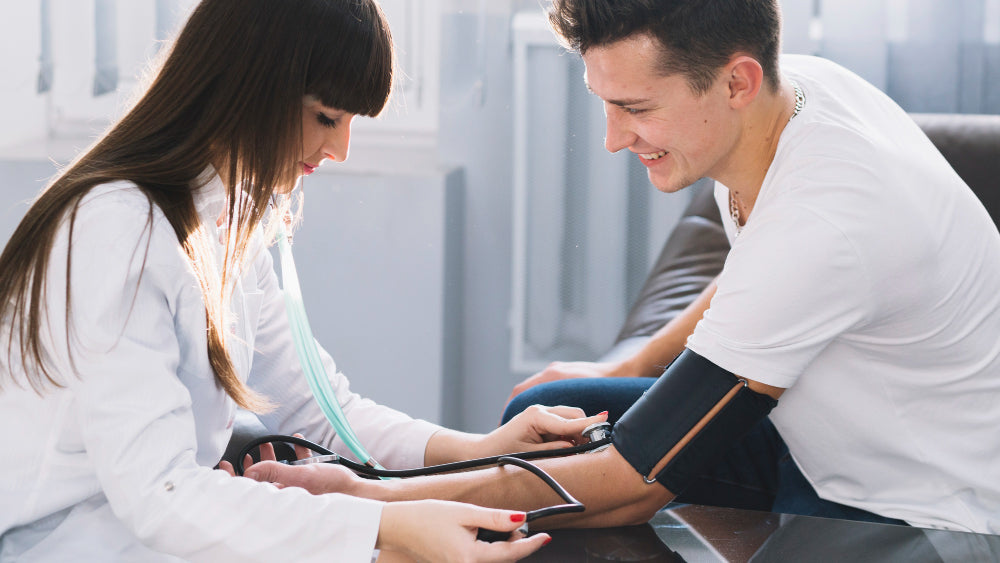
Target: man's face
point(678, 135)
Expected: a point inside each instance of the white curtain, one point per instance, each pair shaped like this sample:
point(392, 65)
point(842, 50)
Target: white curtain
point(586, 223)
point(105, 47)
point(928, 55)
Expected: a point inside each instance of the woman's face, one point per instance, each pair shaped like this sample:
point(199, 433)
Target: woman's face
point(326, 134)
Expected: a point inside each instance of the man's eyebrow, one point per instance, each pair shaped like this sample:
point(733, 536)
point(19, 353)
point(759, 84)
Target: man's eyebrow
point(628, 102)
point(620, 103)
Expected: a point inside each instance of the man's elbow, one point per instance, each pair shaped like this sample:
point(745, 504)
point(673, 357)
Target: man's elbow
point(637, 501)
point(642, 509)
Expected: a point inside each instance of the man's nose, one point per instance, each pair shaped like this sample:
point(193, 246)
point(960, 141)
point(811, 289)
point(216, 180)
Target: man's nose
point(617, 136)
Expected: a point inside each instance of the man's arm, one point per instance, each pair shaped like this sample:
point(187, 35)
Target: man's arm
point(611, 489)
point(688, 417)
point(614, 491)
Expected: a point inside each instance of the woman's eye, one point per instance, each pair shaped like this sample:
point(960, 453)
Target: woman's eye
point(325, 121)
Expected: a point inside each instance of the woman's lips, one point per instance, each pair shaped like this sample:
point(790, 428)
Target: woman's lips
point(308, 169)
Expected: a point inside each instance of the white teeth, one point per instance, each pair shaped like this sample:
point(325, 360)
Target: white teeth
point(653, 156)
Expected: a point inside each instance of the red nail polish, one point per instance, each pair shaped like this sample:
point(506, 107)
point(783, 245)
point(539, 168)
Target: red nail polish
point(517, 517)
point(546, 542)
point(605, 413)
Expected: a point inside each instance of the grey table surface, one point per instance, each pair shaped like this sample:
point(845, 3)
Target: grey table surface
point(704, 534)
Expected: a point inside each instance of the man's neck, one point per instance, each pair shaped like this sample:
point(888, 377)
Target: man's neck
point(754, 151)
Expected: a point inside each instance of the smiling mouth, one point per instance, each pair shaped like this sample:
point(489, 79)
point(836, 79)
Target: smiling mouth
point(653, 155)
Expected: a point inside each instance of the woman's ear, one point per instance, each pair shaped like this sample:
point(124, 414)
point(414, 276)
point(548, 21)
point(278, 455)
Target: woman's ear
point(746, 77)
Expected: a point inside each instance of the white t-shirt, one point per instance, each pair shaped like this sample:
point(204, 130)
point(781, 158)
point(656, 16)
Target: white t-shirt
point(866, 281)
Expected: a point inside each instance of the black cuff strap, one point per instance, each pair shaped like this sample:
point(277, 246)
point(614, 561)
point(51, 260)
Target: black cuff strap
point(687, 420)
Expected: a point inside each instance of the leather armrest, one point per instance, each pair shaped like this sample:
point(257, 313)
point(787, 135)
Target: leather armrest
point(691, 258)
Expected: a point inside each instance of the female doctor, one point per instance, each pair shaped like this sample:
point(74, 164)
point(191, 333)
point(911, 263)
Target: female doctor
point(139, 307)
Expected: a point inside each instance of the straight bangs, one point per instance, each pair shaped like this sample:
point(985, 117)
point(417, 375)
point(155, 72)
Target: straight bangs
point(352, 60)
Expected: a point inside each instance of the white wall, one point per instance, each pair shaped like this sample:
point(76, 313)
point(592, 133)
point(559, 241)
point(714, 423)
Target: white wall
point(23, 110)
point(379, 259)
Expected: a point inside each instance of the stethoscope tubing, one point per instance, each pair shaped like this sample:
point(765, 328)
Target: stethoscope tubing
point(370, 471)
point(306, 349)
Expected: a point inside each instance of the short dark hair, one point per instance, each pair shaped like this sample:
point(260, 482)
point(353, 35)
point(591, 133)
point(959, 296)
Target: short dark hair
point(697, 37)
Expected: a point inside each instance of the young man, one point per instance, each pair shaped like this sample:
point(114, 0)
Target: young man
point(860, 290)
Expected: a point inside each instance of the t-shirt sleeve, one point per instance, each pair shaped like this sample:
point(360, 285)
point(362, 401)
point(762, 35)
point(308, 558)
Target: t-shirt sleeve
point(792, 283)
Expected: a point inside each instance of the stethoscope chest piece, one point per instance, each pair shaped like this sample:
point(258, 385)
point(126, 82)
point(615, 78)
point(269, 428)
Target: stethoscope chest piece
point(597, 432)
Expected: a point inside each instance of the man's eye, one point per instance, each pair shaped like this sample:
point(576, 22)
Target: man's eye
point(632, 111)
point(326, 121)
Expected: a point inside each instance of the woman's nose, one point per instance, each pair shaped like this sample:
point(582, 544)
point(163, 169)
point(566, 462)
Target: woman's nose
point(338, 143)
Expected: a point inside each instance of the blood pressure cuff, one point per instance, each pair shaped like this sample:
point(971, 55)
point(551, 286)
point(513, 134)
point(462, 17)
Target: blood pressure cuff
point(687, 420)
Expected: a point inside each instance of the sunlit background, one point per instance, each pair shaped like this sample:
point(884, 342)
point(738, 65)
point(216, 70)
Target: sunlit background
point(479, 229)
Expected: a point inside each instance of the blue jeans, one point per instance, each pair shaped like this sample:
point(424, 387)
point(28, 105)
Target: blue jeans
point(757, 473)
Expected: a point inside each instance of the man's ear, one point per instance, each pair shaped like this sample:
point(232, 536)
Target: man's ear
point(746, 78)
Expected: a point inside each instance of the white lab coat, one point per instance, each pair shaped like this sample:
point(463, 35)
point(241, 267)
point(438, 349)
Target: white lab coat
point(116, 465)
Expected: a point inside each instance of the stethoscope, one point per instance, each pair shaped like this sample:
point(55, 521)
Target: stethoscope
point(308, 352)
point(599, 434)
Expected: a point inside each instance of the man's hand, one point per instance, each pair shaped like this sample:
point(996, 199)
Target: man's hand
point(569, 370)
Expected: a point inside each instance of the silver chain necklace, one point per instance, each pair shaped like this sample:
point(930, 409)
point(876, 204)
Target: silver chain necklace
point(734, 209)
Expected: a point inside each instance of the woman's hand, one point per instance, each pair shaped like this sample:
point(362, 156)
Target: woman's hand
point(426, 530)
point(317, 478)
point(266, 454)
point(432, 530)
point(539, 428)
point(568, 370)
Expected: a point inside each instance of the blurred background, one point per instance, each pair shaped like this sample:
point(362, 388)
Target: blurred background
point(479, 229)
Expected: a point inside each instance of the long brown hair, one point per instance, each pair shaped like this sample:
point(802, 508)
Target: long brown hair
point(229, 94)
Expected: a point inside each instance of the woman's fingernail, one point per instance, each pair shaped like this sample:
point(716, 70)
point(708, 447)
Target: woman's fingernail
point(517, 517)
point(547, 540)
point(605, 413)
